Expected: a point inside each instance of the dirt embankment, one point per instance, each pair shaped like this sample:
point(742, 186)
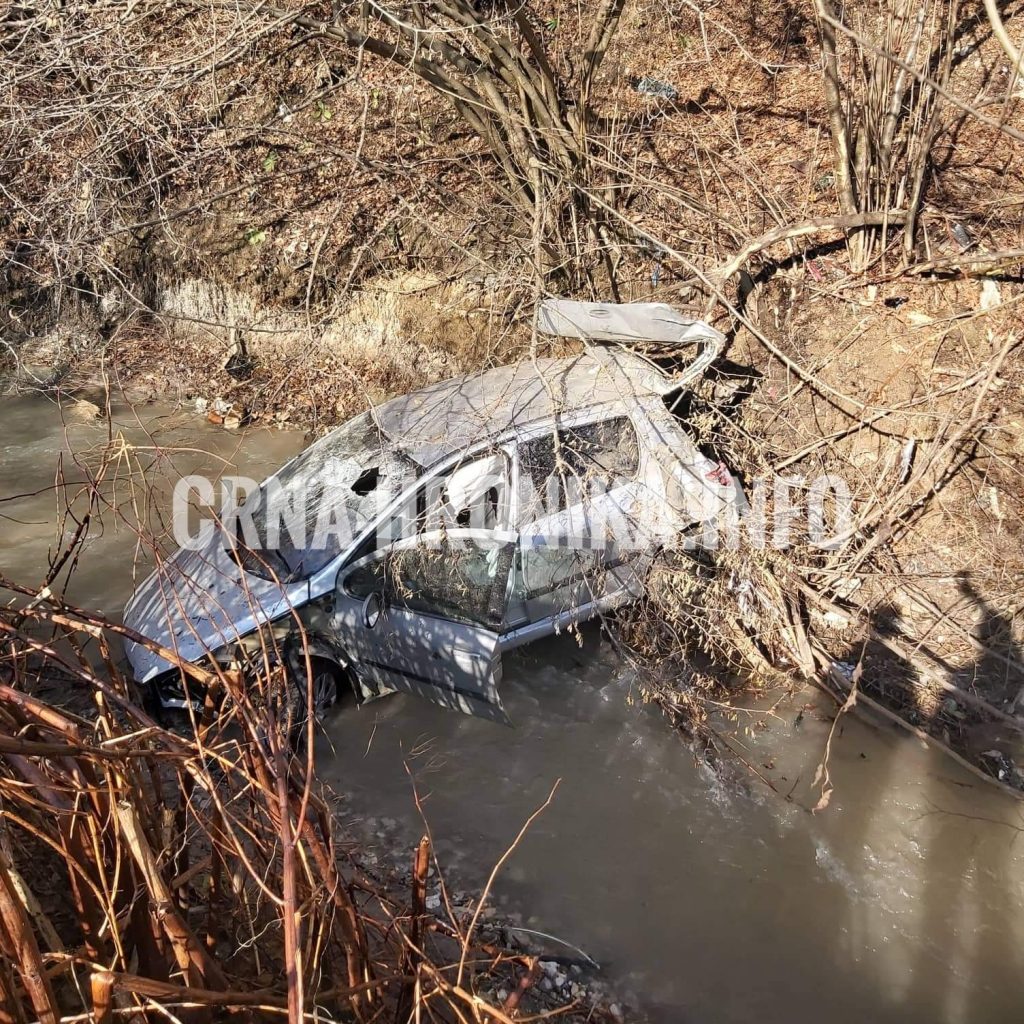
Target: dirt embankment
point(911, 372)
point(290, 191)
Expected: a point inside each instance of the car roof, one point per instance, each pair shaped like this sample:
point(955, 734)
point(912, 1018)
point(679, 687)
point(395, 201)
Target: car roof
point(443, 419)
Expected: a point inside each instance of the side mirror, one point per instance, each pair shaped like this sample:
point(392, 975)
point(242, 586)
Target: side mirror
point(373, 609)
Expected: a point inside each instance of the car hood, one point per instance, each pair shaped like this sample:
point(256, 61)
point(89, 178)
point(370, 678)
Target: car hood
point(198, 601)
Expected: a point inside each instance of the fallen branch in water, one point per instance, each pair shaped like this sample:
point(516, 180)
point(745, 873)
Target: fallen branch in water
point(828, 668)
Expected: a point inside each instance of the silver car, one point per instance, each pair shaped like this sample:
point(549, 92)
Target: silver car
point(411, 547)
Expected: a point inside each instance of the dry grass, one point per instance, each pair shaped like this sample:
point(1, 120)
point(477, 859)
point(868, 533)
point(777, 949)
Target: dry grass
point(145, 871)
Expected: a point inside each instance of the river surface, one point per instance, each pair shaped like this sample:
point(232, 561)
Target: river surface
point(706, 902)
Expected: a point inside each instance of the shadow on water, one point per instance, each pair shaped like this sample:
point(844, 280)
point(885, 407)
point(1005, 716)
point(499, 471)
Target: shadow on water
point(968, 911)
point(857, 821)
point(965, 962)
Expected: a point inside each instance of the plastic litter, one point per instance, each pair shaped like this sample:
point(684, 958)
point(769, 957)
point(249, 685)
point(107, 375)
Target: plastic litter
point(648, 86)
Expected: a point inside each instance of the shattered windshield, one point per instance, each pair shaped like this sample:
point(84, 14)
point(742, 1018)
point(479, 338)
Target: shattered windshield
point(307, 514)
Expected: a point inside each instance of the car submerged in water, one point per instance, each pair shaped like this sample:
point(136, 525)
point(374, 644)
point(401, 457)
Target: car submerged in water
point(412, 546)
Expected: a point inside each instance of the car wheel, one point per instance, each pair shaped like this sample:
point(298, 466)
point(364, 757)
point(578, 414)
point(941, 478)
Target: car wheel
point(152, 704)
point(325, 686)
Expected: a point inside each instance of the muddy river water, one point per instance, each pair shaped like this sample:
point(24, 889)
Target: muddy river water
point(903, 901)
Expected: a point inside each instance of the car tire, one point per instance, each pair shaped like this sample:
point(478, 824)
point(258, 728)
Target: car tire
point(327, 678)
point(152, 704)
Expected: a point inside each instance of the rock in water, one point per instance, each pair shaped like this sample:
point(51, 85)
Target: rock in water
point(83, 410)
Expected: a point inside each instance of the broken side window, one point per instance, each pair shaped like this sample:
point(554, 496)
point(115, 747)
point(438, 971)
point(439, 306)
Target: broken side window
point(473, 494)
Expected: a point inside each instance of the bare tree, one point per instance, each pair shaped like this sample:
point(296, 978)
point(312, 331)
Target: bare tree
point(536, 120)
point(884, 110)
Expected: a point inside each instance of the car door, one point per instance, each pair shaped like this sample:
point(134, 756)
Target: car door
point(424, 615)
point(436, 577)
point(577, 500)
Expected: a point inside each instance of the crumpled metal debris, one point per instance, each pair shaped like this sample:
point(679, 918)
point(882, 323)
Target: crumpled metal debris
point(622, 321)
